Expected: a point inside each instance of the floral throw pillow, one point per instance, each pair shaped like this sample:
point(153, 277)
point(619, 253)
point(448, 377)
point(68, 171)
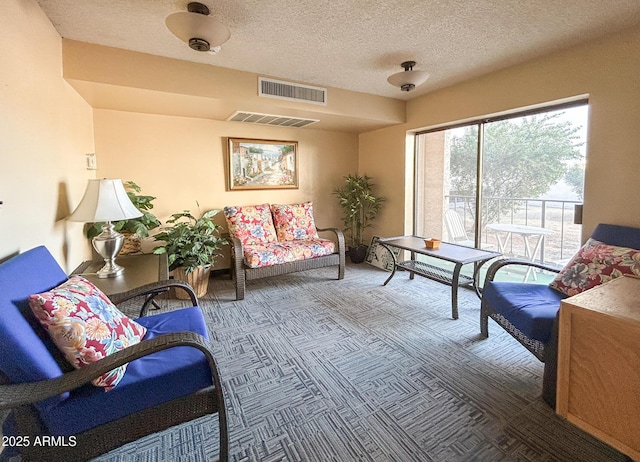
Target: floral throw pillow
point(294, 222)
point(594, 264)
point(252, 224)
point(86, 326)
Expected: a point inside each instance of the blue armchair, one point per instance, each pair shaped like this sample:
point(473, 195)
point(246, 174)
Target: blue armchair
point(171, 375)
point(529, 312)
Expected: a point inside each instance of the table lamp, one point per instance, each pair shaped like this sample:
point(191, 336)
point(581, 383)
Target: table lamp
point(106, 200)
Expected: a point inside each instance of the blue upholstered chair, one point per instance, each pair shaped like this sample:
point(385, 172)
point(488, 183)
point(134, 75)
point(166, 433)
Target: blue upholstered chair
point(171, 375)
point(529, 312)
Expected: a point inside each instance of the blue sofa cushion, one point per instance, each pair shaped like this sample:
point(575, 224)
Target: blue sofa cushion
point(170, 374)
point(25, 348)
point(531, 308)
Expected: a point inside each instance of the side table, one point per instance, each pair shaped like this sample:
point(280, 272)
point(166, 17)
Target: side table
point(139, 270)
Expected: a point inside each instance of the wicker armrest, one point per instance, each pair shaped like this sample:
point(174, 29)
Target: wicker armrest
point(236, 252)
point(149, 291)
point(339, 238)
point(497, 265)
point(14, 395)
point(236, 245)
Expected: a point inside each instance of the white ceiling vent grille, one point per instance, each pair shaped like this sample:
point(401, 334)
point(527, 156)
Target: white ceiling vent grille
point(270, 119)
point(291, 91)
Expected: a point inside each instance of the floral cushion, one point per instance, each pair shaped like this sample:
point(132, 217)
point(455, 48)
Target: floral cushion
point(294, 222)
point(594, 264)
point(252, 224)
point(257, 256)
point(86, 326)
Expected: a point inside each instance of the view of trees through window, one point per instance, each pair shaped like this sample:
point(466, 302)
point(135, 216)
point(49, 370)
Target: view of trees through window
point(531, 177)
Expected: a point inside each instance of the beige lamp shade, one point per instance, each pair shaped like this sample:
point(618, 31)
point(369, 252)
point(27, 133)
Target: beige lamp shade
point(105, 200)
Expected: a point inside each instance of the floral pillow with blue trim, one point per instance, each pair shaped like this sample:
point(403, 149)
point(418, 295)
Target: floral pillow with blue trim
point(86, 326)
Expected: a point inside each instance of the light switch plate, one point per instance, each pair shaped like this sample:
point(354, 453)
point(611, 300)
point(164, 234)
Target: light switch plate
point(92, 163)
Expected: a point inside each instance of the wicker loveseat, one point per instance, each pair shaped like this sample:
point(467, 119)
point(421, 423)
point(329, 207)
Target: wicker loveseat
point(273, 239)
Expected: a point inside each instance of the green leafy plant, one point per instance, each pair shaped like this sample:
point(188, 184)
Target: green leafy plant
point(141, 225)
point(190, 242)
point(359, 206)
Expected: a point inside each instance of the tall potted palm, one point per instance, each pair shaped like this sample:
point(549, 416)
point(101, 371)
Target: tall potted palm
point(360, 206)
point(191, 245)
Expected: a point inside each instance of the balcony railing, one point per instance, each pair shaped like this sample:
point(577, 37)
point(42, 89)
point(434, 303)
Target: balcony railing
point(553, 214)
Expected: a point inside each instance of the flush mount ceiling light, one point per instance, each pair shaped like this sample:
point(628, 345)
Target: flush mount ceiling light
point(197, 29)
point(409, 79)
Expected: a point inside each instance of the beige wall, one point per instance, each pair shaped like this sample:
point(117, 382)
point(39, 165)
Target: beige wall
point(382, 157)
point(607, 70)
point(181, 160)
point(45, 131)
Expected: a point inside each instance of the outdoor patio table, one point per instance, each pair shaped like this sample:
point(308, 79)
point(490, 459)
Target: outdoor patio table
point(504, 233)
point(458, 254)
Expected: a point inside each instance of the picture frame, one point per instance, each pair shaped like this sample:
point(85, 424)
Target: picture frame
point(261, 164)
point(379, 256)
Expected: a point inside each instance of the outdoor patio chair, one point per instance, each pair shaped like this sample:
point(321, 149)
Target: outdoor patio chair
point(61, 411)
point(456, 230)
point(529, 312)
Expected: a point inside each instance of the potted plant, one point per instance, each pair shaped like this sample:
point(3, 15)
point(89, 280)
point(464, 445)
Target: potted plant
point(133, 229)
point(359, 208)
point(191, 245)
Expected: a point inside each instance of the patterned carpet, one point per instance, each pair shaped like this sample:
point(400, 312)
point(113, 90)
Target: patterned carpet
point(317, 369)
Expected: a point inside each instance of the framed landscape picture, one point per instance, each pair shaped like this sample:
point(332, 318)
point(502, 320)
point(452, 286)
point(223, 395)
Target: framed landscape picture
point(379, 256)
point(261, 164)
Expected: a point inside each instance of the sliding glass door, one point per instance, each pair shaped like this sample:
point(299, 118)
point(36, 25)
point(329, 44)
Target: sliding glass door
point(507, 184)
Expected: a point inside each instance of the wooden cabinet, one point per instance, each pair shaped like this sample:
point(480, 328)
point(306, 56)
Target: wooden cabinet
point(599, 363)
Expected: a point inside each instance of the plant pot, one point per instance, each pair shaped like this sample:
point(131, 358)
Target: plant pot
point(132, 243)
point(358, 254)
point(198, 279)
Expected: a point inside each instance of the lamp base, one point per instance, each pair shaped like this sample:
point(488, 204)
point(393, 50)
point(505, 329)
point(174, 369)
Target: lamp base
point(108, 243)
point(110, 270)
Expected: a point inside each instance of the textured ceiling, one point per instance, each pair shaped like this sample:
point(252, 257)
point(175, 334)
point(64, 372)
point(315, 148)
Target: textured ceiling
point(354, 44)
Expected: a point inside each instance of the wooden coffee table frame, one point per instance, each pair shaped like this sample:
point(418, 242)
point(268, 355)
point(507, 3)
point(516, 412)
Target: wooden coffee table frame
point(458, 254)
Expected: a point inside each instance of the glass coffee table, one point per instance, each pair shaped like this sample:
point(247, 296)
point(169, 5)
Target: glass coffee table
point(459, 255)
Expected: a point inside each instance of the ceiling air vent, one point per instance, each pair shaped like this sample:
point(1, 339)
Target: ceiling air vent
point(291, 91)
point(270, 119)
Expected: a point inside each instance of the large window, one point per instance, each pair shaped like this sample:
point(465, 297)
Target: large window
point(508, 183)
